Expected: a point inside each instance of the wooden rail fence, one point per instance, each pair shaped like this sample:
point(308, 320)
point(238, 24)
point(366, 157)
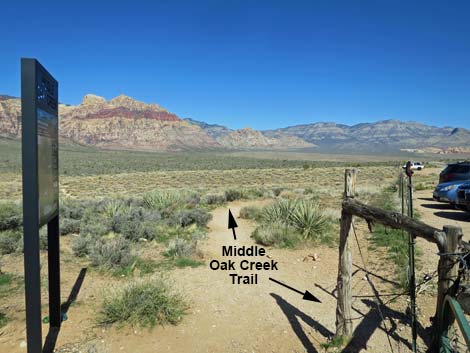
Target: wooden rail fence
point(447, 241)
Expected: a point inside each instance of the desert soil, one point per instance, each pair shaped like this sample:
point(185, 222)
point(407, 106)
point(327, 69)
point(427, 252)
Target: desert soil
point(265, 317)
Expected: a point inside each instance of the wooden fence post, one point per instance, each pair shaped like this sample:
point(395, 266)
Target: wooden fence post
point(447, 275)
point(344, 303)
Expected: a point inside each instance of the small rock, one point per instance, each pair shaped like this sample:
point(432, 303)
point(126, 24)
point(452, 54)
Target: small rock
point(23, 344)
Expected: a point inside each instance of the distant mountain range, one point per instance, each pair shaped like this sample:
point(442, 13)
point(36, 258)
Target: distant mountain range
point(125, 123)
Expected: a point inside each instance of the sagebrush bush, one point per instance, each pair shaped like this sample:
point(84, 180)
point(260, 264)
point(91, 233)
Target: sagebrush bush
point(233, 194)
point(250, 212)
point(10, 241)
point(186, 218)
point(181, 247)
point(214, 199)
point(148, 230)
point(277, 191)
point(69, 226)
point(11, 215)
point(94, 224)
point(255, 193)
point(193, 200)
point(143, 303)
point(277, 234)
point(111, 253)
point(81, 246)
point(73, 209)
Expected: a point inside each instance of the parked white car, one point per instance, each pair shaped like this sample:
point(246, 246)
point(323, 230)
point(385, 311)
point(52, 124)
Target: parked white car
point(415, 165)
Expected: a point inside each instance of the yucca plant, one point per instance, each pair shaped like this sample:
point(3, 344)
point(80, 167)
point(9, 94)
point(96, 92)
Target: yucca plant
point(309, 220)
point(161, 200)
point(114, 207)
point(302, 216)
point(278, 212)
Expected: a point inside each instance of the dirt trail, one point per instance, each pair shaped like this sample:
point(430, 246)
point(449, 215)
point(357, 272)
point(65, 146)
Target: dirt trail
point(227, 318)
point(257, 318)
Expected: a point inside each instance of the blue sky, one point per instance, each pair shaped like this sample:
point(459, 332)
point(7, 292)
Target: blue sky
point(263, 64)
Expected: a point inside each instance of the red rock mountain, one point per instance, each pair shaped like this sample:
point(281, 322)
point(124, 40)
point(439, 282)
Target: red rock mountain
point(123, 122)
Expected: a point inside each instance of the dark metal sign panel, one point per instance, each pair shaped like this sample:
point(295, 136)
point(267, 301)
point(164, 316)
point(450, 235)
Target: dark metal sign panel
point(40, 149)
point(47, 165)
point(47, 140)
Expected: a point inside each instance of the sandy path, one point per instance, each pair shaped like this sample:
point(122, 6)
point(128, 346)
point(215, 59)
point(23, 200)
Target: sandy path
point(242, 318)
point(264, 318)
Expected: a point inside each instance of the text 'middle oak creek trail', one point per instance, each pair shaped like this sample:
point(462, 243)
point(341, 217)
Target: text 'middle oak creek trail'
point(246, 267)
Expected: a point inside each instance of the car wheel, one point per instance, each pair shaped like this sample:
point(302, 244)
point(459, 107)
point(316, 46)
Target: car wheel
point(419, 168)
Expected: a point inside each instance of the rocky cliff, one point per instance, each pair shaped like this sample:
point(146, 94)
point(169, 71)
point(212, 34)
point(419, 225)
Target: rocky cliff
point(123, 122)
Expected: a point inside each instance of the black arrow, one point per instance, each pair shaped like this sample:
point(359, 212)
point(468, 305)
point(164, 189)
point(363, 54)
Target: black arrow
point(306, 295)
point(232, 223)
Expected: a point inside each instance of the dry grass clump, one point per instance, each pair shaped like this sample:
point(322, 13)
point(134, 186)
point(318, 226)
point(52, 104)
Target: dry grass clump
point(145, 303)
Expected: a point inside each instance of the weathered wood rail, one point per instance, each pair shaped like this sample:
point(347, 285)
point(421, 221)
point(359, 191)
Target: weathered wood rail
point(448, 241)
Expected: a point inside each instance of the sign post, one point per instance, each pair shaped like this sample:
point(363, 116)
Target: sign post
point(40, 145)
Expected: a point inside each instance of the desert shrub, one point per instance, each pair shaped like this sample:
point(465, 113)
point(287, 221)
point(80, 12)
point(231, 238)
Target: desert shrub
point(131, 230)
point(309, 220)
point(11, 216)
point(143, 303)
point(277, 191)
point(254, 193)
point(214, 199)
point(163, 200)
point(94, 227)
point(135, 202)
point(163, 232)
point(250, 212)
point(193, 200)
point(279, 211)
point(233, 194)
point(196, 216)
point(69, 226)
point(302, 215)
point(181, 247)
point(148, 230)
point(111, 253)
point(115, 207)
point(277, 234)
point(10, 241)
point(73, 209)
point(81, 246)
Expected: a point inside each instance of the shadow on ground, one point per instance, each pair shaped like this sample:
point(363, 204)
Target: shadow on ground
point(455, 215)
point(294, 316)
point(53, 334)
point(379, 316)
point(438, 206)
